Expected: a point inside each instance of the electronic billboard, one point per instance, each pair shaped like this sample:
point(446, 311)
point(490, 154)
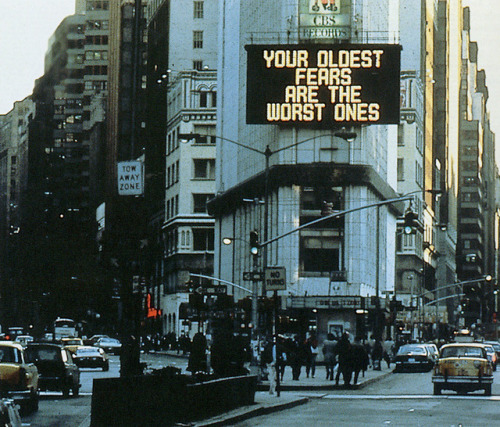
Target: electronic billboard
point(322, 85)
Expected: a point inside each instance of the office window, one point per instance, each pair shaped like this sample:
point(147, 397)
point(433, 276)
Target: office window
point(204, 168)
point(203, 239)
point(203, 99)
point(197, 39)
point(197, 65)
point(200, 202)
point(198, 9)
point(401, 169)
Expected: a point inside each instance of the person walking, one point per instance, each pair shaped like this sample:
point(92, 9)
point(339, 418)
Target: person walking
point(329, 355)
point(360, 359)
point(377, 355)
point(312, 353)
point(344, 354)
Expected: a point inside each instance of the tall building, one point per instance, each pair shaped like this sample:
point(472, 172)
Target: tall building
point(331, 268)
point(14, 135)
point(477, 175)
point(66, 149)
point(181, 99)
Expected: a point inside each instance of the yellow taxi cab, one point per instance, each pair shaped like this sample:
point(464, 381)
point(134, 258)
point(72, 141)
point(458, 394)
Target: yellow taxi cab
point(463, 367)
point(18, 379)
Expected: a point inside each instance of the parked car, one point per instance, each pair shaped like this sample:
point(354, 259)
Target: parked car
point(56, 368)
point(18, 377)
point(413, 357)
point(492, 355)
point(91, 357)
point(71, 344)
point(109, 345)
point(463, 367)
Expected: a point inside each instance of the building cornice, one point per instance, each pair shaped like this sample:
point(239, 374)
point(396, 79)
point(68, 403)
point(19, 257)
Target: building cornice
point(306, 175)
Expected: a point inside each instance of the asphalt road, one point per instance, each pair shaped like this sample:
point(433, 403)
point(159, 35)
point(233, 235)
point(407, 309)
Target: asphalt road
point(396, 400)
point(56, 411)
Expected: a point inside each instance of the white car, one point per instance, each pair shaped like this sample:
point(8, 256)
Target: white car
point(109, 345)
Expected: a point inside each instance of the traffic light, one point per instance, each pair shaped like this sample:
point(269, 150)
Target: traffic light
point(254, 243)
point(410, 222)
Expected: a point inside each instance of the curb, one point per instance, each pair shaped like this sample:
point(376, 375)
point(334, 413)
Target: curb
point(244, 415)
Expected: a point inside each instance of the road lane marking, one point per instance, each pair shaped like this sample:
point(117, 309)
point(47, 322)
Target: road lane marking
point(402, 397)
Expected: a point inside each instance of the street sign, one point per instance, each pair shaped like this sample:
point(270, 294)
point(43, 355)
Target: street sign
point(130, 178)
point(275, 278)
point(253, 275)
point(210, 290)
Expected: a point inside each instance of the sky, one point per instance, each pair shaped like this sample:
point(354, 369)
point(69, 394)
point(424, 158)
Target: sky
point(26, 25)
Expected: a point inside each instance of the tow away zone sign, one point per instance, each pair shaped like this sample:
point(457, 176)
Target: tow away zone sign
point(130, 178)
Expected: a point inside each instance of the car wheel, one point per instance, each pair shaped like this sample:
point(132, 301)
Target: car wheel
point(437, 390)
point(487, 390)
point(65, 391)
point(34, 401)
point(76, 390)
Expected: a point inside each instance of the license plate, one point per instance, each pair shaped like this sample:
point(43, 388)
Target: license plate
point(411, 359)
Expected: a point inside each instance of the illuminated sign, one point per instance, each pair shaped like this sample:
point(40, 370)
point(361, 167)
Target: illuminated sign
point(322, 85)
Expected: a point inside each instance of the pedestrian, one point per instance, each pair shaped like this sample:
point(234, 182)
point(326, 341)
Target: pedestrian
point(296, 357)
point(377, 355)
point(312, 354)
point(269, 361)
point(281, 356)
point(329, 355)
point(197, 361)
point(344, 354)
point(388, 345)
point(360, 359)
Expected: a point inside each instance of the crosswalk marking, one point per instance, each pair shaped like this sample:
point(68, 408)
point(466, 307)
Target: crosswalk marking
point(409, 397)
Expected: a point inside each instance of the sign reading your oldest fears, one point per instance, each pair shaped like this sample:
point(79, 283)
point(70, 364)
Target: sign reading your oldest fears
point(322, 85)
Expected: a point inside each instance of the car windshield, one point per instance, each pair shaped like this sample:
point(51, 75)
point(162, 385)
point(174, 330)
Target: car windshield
point(72, 342)
point(462, 352)
point(108, 341)
point(10, 355)
point(52, 354)
point(415, 349)
point(86, 350)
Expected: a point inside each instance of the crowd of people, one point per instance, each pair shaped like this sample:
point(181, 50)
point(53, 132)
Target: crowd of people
point(342, 357)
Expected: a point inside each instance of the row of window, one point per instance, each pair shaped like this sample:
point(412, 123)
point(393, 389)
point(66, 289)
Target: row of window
point(196, 239)
point(419, 171)
point(204, 168)
point(96, 85)
point(96, 70)
point(96, 55)
point(172, 174)
point(96, 40)
point(97, 25)
point(97, 5)
point(172, 207)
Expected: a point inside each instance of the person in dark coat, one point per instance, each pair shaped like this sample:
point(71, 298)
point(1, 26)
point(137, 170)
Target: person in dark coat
point(197, 357)
point(329, 355)
point(360, 359)
point(377, 355)
point(312, 353)
point(296, 357)
point(343, 351)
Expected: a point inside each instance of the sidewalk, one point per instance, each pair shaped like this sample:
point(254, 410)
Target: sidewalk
point(292, 393)
point(319, 382)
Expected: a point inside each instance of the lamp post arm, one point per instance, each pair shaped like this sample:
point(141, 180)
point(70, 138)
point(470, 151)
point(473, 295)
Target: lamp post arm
point(442, 299)
point(464, 282)
point(203, 276)
point(335, 215)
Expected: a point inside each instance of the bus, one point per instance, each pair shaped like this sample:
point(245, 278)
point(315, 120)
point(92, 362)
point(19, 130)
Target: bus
point(64, 328)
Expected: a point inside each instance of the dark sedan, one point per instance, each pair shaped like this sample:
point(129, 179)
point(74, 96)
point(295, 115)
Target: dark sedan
point(413, 357)
point(56, 368)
